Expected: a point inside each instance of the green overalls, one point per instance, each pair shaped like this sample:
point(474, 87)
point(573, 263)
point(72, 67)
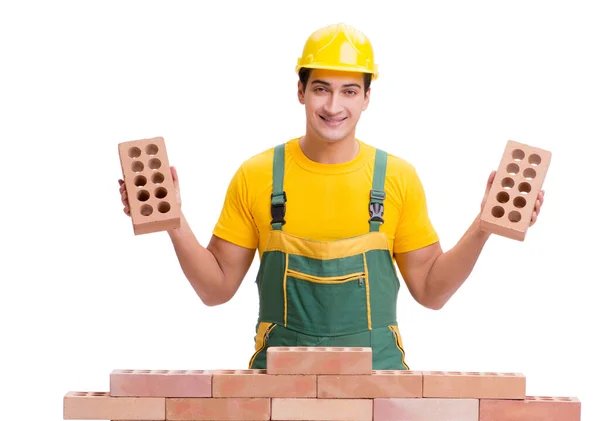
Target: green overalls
point(340, 293)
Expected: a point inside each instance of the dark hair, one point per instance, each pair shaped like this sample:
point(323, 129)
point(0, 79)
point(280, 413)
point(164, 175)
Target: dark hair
point(304, 74)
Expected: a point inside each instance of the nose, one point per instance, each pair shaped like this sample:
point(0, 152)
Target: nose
point(333, 105)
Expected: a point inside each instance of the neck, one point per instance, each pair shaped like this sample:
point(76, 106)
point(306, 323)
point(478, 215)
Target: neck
point(324, 152)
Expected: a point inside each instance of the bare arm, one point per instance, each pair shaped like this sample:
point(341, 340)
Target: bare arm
point(215, 272)
point(433, 276)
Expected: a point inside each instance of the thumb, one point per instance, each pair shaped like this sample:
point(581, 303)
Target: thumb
point(490, 181)
point(174, 175)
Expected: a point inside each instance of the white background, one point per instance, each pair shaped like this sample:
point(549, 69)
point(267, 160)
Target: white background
point(81, 295)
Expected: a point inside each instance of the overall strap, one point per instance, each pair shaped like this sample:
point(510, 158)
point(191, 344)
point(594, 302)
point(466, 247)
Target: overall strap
point(278, 197)
point(377, 191)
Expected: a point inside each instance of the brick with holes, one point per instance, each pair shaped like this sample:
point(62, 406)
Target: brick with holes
point(319, 360)
point(380, 384)
point(255, 383)
point(482, 385)
point(102, 406)
point(546, 408)
point(511, 201)
point(161, 383)
point(149, 183)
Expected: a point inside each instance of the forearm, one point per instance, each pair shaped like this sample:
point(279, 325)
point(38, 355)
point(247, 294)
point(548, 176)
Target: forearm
point(452, 268)
point(199, 265)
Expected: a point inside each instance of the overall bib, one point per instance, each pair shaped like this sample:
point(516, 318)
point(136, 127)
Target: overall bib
point(340, 293)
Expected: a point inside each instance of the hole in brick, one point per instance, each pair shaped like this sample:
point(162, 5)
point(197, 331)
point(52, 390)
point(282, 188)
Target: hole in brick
point(146, 210)
point(80, 394)
point(514, 216)
point(143, 195)
point(154, 163)
point(160, 193)
point(508, 183)
point(497, 211)
point(144, 371)
point(134, 152)
point(502, 197)
point(158, 178)
point(455, 372)
point(98, 393)
point(519, 202)
point(525, 187)
point(472, 373)
point(160, 371)
point(140, 181)
point(547, 398)
point(137, 166)
point(489, 373)
point(518, 154)
point(151, 149)
point(509, 374)
point(177, 371)
point(227, 371)
point(563, 399)
point(437, 372)
point(125, 371)
point(529, 174)
point(164, 207)
point(198, 371)
point(535, 159)
point(512, 169)
point(339, 349)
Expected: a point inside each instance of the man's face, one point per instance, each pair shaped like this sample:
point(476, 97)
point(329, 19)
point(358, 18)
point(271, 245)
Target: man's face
point(334, 101)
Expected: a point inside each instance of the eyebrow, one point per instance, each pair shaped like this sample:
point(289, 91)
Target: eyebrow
point(347, 85)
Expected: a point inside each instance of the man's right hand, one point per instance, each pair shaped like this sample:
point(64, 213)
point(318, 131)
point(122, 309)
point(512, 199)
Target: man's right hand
point(124, 197)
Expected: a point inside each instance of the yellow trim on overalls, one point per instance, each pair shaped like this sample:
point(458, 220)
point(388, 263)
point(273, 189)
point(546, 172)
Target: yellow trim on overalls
point(399, 345)
point(325, 279)
point(290, 244)
point(367, 292)
point(261, 339)
point(285, 302)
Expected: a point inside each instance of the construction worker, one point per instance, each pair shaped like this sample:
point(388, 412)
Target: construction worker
point(328, 214)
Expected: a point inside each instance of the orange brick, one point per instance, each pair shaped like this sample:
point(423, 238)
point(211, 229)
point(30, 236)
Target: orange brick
point(284, 409)
point(380, 384)
point(149, 184)
point(319, 360)
point(161, 383)
point(258, 384)
point(519, 179)
point(218, 409)
point(425, 409)
point(543, 408)
point(453, 384)
point(101, 406)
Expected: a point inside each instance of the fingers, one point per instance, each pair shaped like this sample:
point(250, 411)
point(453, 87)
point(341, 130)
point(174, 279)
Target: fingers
point(124, 200)
point(174, 174)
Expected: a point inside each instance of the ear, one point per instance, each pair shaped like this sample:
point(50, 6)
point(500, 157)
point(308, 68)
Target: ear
point(300, 93)
point(367, 99)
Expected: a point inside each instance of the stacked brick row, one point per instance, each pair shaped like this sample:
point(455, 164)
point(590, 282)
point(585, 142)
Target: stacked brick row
point(317, 384)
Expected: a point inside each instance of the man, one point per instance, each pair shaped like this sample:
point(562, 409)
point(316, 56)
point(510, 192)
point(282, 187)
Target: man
point(328, 214)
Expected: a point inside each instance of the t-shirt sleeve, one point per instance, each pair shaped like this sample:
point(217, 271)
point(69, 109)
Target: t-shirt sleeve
point(235, 223)
point(415, 229)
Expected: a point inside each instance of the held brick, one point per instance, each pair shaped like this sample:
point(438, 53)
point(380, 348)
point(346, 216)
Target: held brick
point(380, 384)
point(511, 200)
point(285, 409)
point(425, 409)
point(546, 408)
point(161, 383)
point(256, 383)
point(101, 406)
point(218, 409)
point(319, 360)
point(150, 186)
point(484, 385)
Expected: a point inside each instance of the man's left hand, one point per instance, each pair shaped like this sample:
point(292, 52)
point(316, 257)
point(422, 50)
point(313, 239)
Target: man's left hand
point(538, 203)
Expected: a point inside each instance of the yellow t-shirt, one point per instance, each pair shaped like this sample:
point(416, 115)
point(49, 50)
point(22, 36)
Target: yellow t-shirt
point(325, 201)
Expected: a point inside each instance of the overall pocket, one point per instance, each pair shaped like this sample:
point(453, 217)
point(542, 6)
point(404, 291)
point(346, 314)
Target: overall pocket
point(326, 305)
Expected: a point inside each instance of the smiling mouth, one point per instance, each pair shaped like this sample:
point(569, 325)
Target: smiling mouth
point(332, 120)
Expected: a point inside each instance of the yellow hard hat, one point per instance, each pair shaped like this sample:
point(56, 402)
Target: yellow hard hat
point(338, 47)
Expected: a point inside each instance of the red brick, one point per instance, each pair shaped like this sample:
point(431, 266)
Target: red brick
point(259, 384)
point(322, 409)
point(543, 408)
point(379, 384)
point(161, 383)
point(218, 409)
point(319, 360)
point(490, 385)
point(101, 406)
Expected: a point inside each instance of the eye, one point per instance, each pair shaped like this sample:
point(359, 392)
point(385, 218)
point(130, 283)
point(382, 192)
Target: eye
point(351, 92)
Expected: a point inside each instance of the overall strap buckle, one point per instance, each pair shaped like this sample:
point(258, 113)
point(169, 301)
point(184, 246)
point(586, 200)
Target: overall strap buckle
point(376, 205)
point(278, 208)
